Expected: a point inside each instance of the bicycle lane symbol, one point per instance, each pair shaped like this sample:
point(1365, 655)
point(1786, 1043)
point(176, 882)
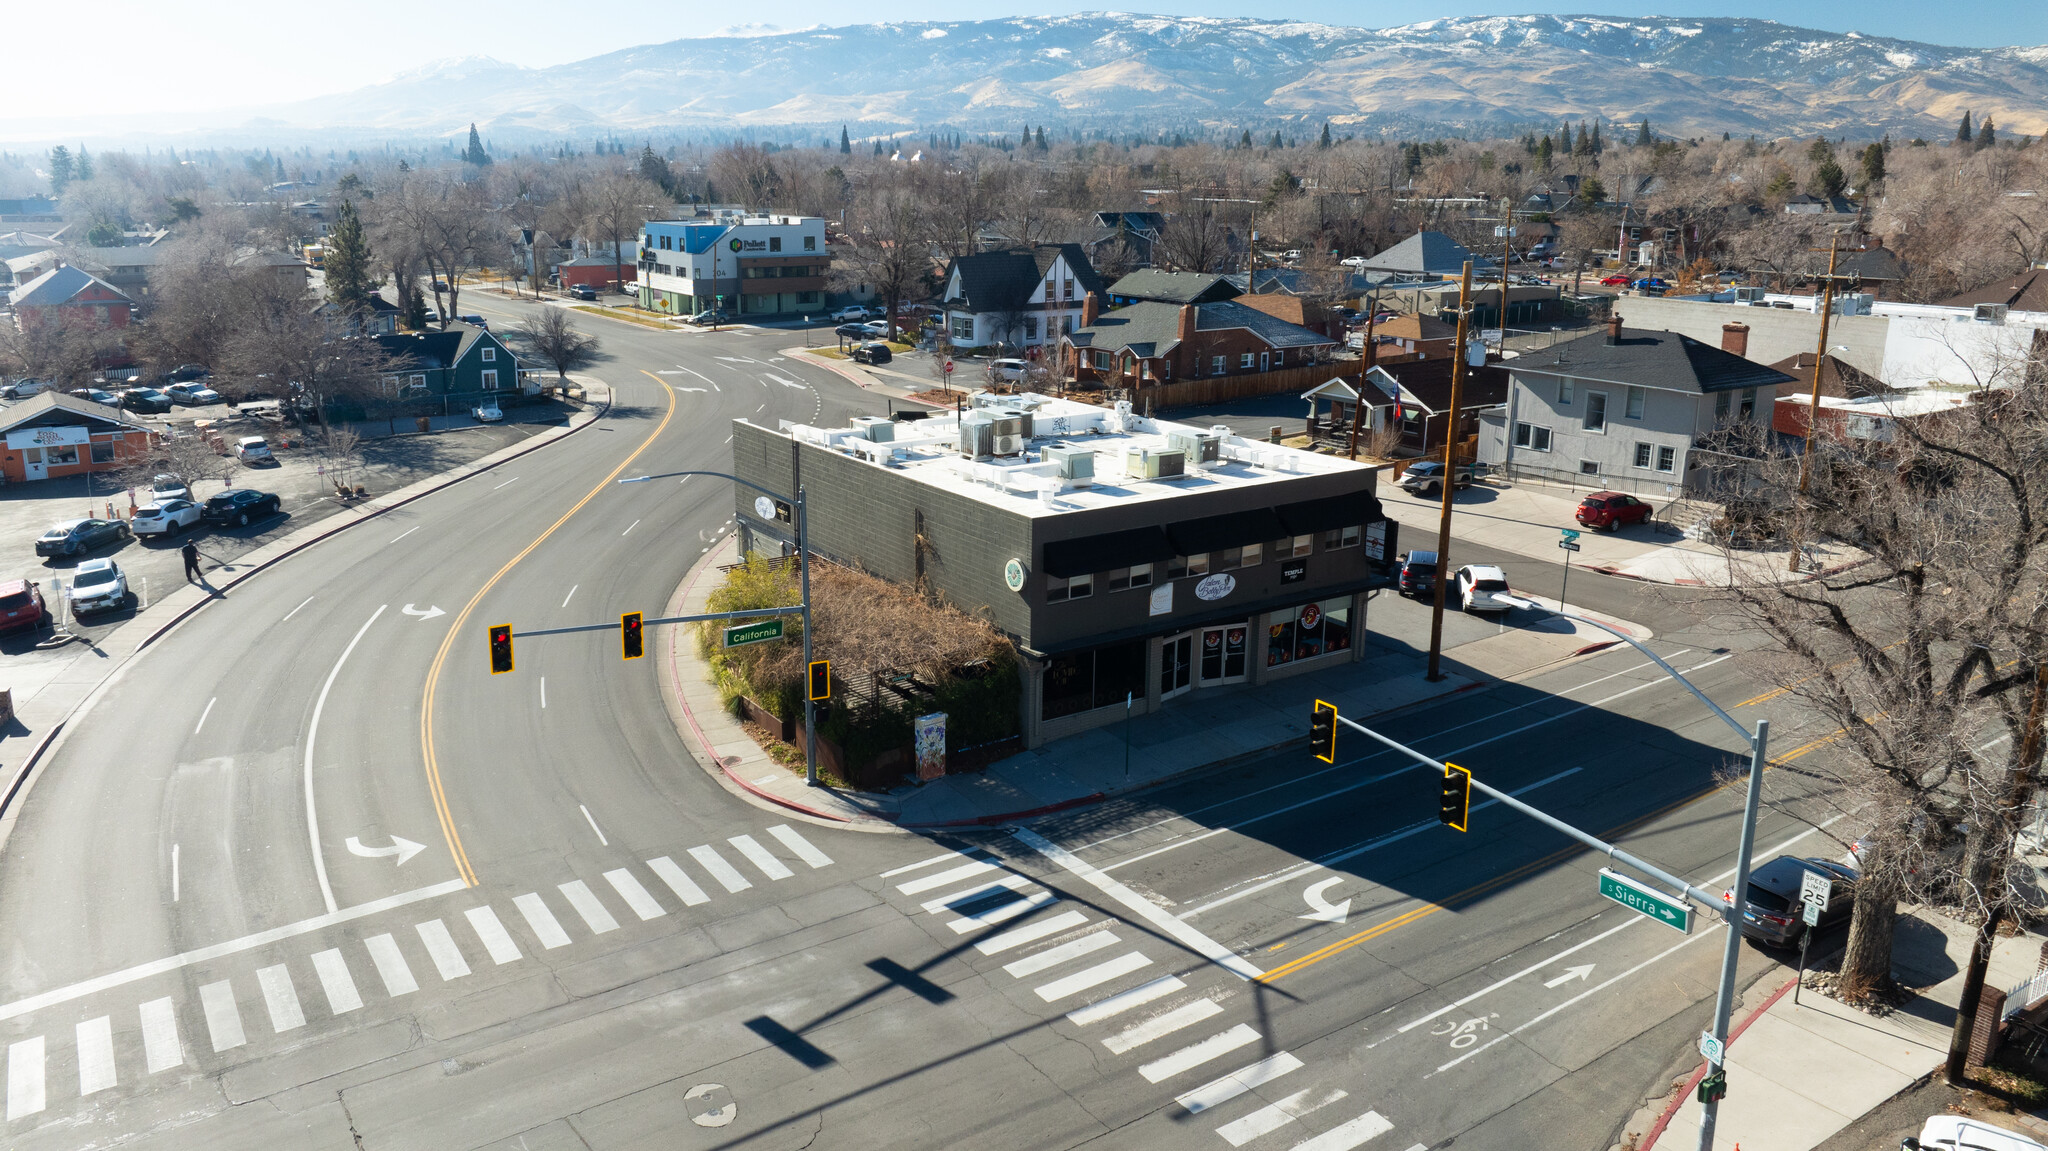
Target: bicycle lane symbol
point(1463, 1035)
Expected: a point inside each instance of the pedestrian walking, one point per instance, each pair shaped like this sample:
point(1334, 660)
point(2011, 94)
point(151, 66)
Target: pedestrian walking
point(191, 553)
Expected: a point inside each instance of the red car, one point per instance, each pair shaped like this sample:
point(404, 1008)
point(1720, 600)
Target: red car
point(21, 605)
point(1610, 510)
point(1614, 281)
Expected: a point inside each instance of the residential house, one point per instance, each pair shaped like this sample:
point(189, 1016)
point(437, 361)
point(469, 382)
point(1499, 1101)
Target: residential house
point(30, 210)
point(1421, 391)
point(1629, 410)
point(125, 266)
point(378, 318)
point(2025, 291)
point(1172, 288)
point(1415, 337)
point(1300, 311)
point(1020, 298)
point(75, 298)
point(1873, 268)
point(1155, 342)
point(289, 270)
point(1805, 205)
point(55, 435)
point(459, 366)
point(1425, 256)
point(1838, 377)
point(1126, 236)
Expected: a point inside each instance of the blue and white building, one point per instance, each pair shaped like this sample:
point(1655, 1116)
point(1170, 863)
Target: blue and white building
point(748, 265)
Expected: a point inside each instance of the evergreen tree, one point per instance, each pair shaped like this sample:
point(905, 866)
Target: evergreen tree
point(1585, 145)
point(1964, 133)
point(1325, 141)
point(1414, 159)
point(1597, 145)
point(654, 170)
point(1986, 137)
point(474, 153)
point(82, 168)
point(1643, 137)
point(1591, 190)
point(1245, 141)
point(1828, 179)
point(1277, 141)
point(1873, 165)
point(1820, 150)
point(350, 281)
point(1724, 137)
point(1041, 138)
point(1564, 138)
point(1543, 152)
point(60, 169)
point(878, 148)
point(845, 142)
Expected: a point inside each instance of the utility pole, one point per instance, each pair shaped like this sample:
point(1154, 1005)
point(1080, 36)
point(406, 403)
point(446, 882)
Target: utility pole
point(1368, 358)
point(1507, 243)
point(1450, 485)
point(1827, 307)
point(803, 564)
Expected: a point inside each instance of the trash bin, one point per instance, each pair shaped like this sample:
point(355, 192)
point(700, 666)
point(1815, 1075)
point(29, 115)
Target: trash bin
point(423, 423)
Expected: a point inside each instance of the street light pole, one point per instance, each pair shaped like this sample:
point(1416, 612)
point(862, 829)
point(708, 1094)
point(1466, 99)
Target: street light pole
point(1450, 479)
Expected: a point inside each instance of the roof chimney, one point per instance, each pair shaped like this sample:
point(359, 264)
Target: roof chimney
point(1091, 309)
point(1187, 323)
point(1735, 338)
point(1613, 330)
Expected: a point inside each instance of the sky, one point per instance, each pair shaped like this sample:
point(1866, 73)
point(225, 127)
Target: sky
point(244, 53)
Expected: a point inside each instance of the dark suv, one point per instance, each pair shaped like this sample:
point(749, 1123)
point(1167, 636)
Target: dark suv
point(1610, 510)
point(238, 506)
point(1417, 572)
point(1772, 914)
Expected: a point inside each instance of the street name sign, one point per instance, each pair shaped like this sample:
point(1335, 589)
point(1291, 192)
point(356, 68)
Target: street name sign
point(1712, 1049)
point(1668, 910)
point(1568, 545)
point(1568, 533)
point(746, 633)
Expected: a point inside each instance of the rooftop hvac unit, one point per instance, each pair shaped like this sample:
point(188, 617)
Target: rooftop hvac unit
point(1202, 448)
point(1007, 445)
point(1076, 464)
point(977, 439)
point(1024, 419)
point(879, 429)
point(1748, 295)
point(1142, 464)
point(1007, 432)
point(1990, 314)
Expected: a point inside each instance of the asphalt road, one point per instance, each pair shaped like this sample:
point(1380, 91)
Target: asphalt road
point(307, 875)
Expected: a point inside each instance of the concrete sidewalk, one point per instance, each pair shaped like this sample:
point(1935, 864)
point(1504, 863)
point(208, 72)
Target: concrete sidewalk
point(1237, 724)
point(1798, 1073)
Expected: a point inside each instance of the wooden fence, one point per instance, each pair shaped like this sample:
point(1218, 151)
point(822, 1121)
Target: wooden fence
point(1223, 389)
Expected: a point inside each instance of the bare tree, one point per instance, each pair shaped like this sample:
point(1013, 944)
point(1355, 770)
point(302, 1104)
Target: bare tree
point(1194, 240)
point(889, 251)
point(554, 337)
point(618, 202)
point(185, 456)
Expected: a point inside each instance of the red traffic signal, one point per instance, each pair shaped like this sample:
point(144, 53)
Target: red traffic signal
point(632, 645)
point(821, 679)
point(501, 649)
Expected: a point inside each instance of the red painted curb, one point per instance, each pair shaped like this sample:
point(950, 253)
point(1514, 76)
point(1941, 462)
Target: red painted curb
point(1692, 1084)
point(1593, 647)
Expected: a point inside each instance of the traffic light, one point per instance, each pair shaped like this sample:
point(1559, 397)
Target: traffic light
point(1455, 808)
point(1714, 1087)
point(1322, 732)
point(501, 649)
point(821, 679)
point(631, 644)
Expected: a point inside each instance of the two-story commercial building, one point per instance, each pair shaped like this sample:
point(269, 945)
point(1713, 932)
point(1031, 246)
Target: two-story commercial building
point(750, 265)
point(1125, 557)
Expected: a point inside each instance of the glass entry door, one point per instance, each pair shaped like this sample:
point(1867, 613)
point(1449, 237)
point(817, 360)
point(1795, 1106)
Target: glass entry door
point(1223, 654)
point(1176, 665)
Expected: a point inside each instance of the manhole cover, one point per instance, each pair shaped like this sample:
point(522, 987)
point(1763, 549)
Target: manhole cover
point(710, 1105)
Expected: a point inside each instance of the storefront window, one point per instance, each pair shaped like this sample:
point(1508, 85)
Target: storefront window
point(1083, 681)
point(103, 453)
point(57, 456)
point(1309, 631)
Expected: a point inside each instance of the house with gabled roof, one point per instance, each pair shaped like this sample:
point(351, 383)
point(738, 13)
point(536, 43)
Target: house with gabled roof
point(1165, 287)
point(71, 296)
point(1019, 297)
point(1425, 255)
point(461, 365)
point(1155, 342)
point(55, 435)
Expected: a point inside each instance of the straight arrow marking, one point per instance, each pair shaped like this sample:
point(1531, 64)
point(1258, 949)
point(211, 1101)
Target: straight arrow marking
point(1570, 973)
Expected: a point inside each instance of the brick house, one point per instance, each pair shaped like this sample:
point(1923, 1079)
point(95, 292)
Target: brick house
point(1314, 315)
point(72, 297)
point(1172, 288)
point(54, 435)
point(1154, 342)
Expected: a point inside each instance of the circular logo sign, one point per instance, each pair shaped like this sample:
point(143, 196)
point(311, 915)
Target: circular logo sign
point(1311, 615)
point(764, 507)
point(735, 245)
point(1013, 575)
point(1216, 586)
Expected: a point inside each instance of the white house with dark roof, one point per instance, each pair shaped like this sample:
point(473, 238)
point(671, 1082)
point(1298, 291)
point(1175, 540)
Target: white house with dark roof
point(1022, 297)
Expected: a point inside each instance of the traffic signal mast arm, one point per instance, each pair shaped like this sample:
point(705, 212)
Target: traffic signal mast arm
point(759, 611)
point(1699, 894)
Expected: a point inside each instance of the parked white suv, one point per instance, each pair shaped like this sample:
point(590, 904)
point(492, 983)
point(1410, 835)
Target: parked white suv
point(849, 314)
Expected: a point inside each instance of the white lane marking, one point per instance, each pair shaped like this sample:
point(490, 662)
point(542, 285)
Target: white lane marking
point(223, 1020)
point(636, 896)
point(441, 949)
point(760, 857)
point(1345, 1136)
point(593, 825)
point(391, 966)
point(1031, 932)
point(405, 533)
point(586, 903)
point(174, 873)
point(95, 1055)
point(1143, 908)
point(998, 914)
point(25, 1078)
point(312, 735)
point(685, 888)
point(630, 527)
point(538, 917)
point(340, 986)
point(1139, 1034)
point(544, 695)
point(160, 1048)
point(1278, 1114)
point(495, 938)
point(728, 877)
point(953, 901)
point(280, 998)
point(1054, 956)
point(763, 407)
point(1123, 1001)
point(288, 615)
point(800, 846)
point(921, 864)
point(1190, 1057)
point(1221, 1091)
point(208, 710)
point(216, 951)
point(947, 877)
point(1094, 976)
point(513, 480)
point(572, 591)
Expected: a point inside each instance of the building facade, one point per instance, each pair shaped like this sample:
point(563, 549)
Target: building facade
point(51, 436)
point(750, 266)
point(462, 366)
point(1020, 298)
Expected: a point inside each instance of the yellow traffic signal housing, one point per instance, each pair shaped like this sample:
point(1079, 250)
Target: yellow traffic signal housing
point(1455, 808)
point(501, 649)
point(1322, 732)
point(821, 679)
point(632, 645)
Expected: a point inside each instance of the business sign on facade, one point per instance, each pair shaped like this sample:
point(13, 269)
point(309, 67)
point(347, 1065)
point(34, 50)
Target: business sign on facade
point(1162, 598)
point(1013, 575)
point(1215, 587)
point(48, 437)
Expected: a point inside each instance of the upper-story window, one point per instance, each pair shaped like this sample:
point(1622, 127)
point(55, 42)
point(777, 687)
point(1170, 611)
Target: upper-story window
point(810, 243)
point(1067, 289)
point(775, 243)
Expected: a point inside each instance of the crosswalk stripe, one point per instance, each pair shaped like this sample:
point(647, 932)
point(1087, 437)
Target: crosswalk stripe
point(95, 1055)
point(1343, 1138)
point(636, 896)
point(496, 939)
point(586, 904)
point(1139, 1034)
point(1277, 1114)
point(1054, 956)
point(760, 857)
point(391, 966)
point(1123, 1001)
point(946, 878)
point(708, 858)
point(161, 1050)
point(924, 863)
point(1221, 1091)
point(223, 1020)
point(969, 895)
point(1093, 976)
point(538, 917)
point(25, 1078)
point(1010, 910)
point(1188, 1058)
point(441, 949)
point(686, 889)
point(801, 846)
point(335, 980)
point(280, 998)
point(1031, 932)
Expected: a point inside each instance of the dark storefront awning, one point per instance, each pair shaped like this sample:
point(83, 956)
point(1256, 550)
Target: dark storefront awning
point(1066, 558)
point(1236, 529)
point(1349, 510)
